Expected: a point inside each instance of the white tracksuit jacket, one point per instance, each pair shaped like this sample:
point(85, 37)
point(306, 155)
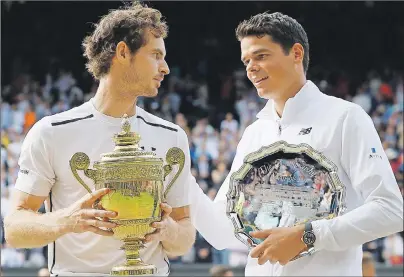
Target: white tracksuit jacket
point(345, 134)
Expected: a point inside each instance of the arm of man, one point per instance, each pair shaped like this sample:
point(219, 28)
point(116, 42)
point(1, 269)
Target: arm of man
point(178, 233)
point(24, 227)
point(175, 231)
point(22, 223)
point(209, 217)
point(372, 177)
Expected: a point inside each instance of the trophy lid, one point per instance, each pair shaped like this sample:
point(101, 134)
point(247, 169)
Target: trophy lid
point(127, 146)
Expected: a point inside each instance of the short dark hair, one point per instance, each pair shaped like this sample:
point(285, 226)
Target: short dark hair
point(283, 30)
point(126, 24)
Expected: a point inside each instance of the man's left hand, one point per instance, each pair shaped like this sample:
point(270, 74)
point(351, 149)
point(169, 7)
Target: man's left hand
point(280, 244)
point(166, 229)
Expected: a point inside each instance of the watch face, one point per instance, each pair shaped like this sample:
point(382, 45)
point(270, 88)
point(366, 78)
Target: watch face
point(309, 238)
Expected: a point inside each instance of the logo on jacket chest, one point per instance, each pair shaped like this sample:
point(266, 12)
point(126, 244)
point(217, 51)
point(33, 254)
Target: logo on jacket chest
point(305, 131)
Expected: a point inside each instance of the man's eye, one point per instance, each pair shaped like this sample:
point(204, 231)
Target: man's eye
point(261, 56)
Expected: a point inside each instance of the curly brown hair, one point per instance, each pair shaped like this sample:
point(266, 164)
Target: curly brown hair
point(283, 30)
point(127, 24)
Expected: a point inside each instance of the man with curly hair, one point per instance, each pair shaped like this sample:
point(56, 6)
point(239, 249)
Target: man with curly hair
point(126, 53)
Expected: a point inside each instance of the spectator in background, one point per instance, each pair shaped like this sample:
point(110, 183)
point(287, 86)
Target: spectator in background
point(204, 167)
point(43, 272)
point(202, 130)
point(60, 106)
point(174, 102)
point(363, 99)
point(376, 249)
point(219, 174)
point(229, 124)
point(29, 118)
point(11, 257)
point(212, 193)
point(368, 265)
point(374, 83)
point(64, 83)
point(14, 148)
point(221, 271)
point(42, 109)
point(393, 249)
point(6, 116)
point(181, 121)
point(18, 118)
point(203, 250)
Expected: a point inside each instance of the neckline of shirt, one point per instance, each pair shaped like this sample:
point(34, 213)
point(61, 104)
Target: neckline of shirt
point(110, 119)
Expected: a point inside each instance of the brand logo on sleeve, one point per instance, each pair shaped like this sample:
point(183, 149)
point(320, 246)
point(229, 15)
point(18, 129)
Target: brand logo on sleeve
point(24, 171)
point(374, 154)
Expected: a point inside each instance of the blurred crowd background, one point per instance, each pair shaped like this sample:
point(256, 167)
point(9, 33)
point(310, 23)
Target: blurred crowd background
point(356, 54)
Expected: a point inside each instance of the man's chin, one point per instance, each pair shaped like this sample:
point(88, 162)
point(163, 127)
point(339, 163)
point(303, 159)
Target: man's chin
point(263, 93)
point(268, 93)
point(151, 93)
point(154, 92)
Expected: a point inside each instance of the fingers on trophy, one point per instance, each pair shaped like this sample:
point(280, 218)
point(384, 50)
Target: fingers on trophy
point(135, 178)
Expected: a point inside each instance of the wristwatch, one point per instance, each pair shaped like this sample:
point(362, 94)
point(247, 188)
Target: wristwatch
point(309, 238)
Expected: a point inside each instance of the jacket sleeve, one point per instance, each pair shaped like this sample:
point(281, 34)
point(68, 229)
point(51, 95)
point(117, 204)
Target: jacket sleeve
point(367, 166)
point(209, 217)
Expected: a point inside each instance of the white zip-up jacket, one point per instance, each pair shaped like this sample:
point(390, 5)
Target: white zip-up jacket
point(345, 134)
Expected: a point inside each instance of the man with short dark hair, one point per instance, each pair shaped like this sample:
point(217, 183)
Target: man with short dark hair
point(275, 52)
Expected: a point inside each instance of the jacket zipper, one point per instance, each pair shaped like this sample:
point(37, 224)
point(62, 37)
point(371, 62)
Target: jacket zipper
point(279, 127)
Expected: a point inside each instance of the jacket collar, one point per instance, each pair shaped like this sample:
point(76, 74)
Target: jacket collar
point(293, 106)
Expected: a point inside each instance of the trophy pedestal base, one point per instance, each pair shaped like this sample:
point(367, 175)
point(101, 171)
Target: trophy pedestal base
point(134, 265)
point(140, 269)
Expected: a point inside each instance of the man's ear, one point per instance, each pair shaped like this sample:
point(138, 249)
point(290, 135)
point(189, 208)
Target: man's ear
point(122, 52)
point(298, 52)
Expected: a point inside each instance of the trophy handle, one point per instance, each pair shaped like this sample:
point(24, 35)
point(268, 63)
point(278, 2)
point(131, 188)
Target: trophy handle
point(174, 156)
point(80, 161)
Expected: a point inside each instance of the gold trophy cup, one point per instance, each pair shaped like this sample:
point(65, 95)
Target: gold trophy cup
point(135, 178)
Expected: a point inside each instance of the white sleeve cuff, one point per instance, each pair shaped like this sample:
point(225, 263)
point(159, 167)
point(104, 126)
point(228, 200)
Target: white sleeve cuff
point(31, 183)
point(322, 232)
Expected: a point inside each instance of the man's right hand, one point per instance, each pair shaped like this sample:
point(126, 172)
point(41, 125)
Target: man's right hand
point(82, 217)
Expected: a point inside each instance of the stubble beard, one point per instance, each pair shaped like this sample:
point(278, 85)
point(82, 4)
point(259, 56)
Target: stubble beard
point(135, 86)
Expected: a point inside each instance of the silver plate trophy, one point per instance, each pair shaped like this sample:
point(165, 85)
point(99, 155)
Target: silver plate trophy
point(283, 185)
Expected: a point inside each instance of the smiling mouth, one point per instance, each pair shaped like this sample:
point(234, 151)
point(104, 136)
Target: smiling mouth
point(260, 80)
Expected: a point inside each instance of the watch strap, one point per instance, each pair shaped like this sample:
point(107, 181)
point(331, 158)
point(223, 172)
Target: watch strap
point(308, 227)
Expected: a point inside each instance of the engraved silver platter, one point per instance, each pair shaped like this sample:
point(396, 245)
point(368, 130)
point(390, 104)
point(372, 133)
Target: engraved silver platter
point(283, 185)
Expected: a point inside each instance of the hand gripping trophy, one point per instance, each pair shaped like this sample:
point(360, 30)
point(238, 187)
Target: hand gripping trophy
point(135, 178)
